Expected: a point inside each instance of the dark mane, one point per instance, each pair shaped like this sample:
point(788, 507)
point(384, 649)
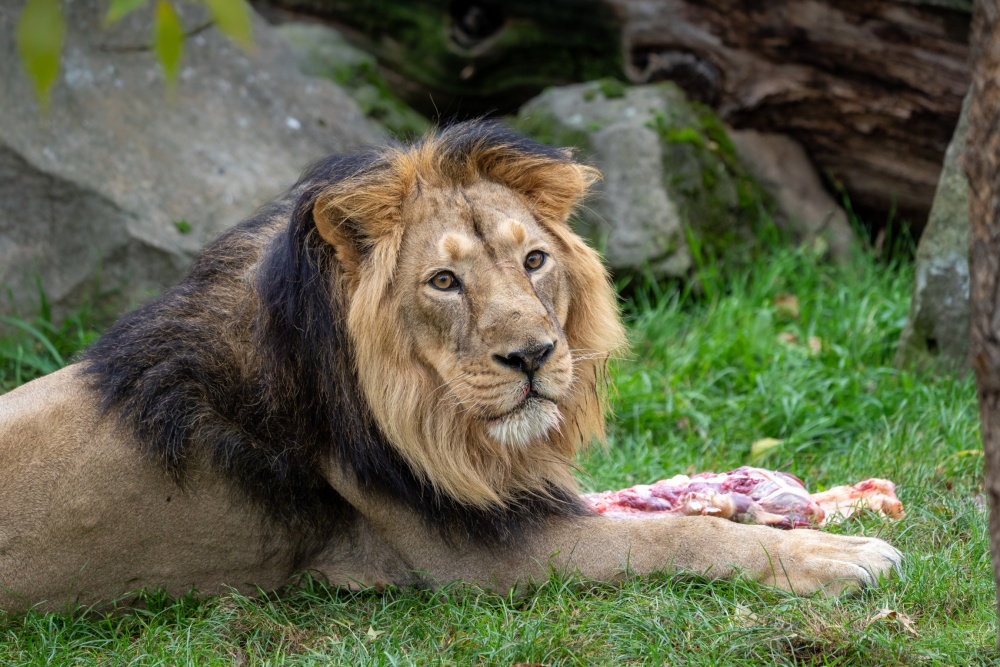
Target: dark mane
point(246, 365)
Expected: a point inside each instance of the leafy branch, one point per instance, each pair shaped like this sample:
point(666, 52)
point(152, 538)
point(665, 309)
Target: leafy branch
point(41, 32)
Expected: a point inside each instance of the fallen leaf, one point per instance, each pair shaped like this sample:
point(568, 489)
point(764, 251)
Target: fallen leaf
point(820, 246)
point(893, 615)
point(759, 449)
point(967, 452)
point(788, 305)
point(981, 503)
point(743, 616)
point(788, 338)
point(815, 344)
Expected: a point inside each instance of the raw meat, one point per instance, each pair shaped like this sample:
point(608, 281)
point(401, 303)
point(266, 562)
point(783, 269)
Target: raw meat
point(748, 495)
point(878, 495)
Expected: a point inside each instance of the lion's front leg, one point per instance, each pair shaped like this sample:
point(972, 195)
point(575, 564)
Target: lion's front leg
point(604, 548)
point(801, 561)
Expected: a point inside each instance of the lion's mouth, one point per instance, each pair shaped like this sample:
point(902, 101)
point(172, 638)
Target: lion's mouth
point(531, 399)
point(531, 419)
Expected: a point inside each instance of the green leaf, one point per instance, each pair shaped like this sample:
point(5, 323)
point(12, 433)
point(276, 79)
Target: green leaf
point(40, 34)
point(233, 19)
point(119, 9)
point(168, 40)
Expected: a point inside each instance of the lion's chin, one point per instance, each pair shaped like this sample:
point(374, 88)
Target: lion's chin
point(526, 424)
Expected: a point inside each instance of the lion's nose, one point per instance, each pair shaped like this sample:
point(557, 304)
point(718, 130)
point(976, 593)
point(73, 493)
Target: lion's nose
point(528, 361)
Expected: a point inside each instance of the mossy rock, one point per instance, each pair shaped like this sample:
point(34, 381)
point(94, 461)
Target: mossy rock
point(454, 58)
point(936, 336)
point(674, 191)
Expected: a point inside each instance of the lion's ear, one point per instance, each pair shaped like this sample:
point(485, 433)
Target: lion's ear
point(554, 189)
point(339, 233)
point(360, 217)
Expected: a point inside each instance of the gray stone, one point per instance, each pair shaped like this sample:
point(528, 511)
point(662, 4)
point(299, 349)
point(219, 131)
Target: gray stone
point(323, 52)
point(669, 169)
point(122, 183)
point(937, 332)
point(805, 209)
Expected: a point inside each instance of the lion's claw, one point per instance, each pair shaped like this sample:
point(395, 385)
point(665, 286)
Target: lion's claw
point(806, 561)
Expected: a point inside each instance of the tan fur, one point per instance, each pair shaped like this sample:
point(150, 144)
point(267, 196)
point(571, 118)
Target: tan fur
point(85, 516)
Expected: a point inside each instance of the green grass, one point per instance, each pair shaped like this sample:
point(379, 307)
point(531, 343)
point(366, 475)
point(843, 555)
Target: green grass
point(706, 378)
point(39, 346)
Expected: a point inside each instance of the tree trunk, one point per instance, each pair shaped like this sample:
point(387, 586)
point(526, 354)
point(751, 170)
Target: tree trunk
point(982, 163)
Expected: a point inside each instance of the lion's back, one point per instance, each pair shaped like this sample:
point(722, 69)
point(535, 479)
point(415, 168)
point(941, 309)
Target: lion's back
point(39, 415)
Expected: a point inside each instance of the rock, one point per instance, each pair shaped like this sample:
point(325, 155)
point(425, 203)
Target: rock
point(937, 331)
point(668, 165)
point(806, 210)
point(123, 183)
point(322, 51)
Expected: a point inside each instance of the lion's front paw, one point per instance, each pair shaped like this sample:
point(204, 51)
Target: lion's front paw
point(804, 561)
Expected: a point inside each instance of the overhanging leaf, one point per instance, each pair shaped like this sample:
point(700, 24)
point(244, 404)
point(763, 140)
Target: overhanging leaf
point(40, 35)
point(119, 9)
point(233, 19)
point(168, 40)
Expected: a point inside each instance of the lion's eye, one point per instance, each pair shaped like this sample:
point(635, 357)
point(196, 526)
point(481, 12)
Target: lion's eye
point(534, 260)
point(444, 280)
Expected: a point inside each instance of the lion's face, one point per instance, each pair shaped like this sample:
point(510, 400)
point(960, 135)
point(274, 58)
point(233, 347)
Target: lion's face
point(480, 324)
point(484, 295)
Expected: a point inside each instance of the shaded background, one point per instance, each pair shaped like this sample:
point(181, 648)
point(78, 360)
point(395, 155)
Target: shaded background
point(712, 121)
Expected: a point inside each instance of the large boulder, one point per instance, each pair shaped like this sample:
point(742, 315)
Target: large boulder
point(937, 332)
point(630, 215)
point(669, 169)
point(121, 183)
point(324, 52)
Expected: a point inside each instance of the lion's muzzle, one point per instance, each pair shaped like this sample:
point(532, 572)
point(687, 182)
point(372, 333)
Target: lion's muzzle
point(527, 360)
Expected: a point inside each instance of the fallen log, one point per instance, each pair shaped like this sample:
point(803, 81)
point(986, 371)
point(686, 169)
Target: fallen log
point(871, 88)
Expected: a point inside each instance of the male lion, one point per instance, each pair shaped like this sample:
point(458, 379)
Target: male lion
point(383, 377)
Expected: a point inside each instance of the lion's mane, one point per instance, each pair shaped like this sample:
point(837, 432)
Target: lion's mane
point(276, 354)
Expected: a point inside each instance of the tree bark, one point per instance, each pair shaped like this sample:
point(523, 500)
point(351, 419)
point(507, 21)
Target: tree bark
point(982, 163)
point(871, 88)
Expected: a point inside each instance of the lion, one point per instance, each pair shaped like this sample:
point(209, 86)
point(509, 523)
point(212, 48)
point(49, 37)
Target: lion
point(382, 378)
